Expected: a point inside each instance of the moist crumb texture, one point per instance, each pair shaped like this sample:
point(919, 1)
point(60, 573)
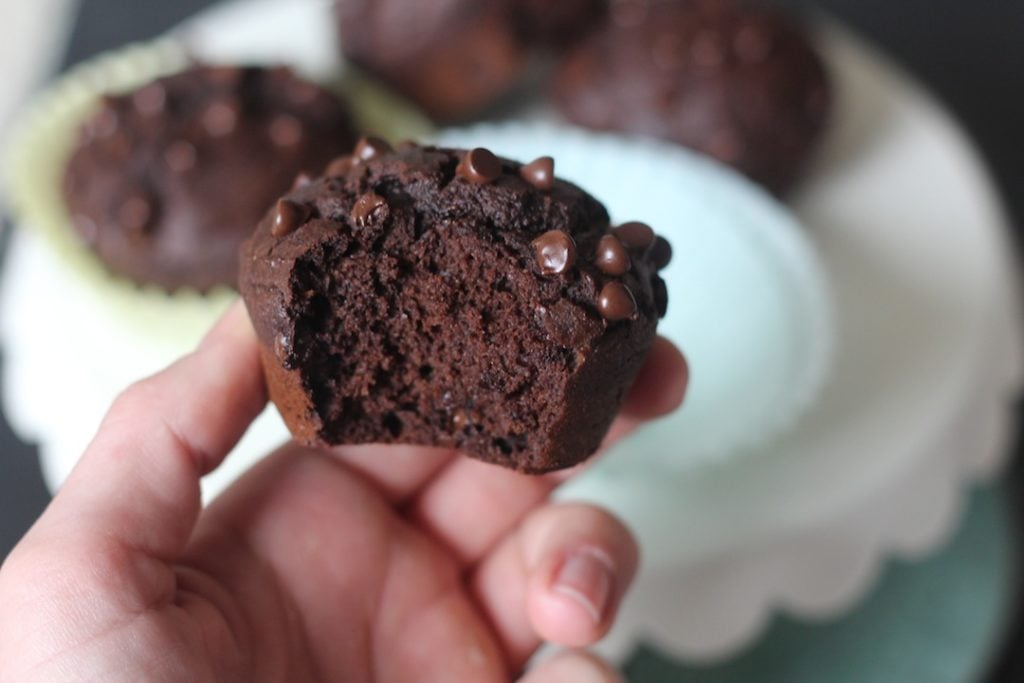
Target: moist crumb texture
point(448, 297)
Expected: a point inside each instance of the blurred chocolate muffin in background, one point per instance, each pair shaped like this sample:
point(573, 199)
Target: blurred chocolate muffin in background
point(451, 57)
point(168, 180)
point(737, 81)
point(557, 24)
point(456, 58)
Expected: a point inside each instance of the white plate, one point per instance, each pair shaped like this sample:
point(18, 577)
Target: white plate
point(914, 242)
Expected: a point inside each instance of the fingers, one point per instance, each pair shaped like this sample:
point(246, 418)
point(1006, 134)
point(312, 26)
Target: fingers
point(359, 580)
point(398, 471)
point(577, 667)
point(658, 389)
point(499, 498)
point(659, 386)
point(138, 481)
point(559, 577)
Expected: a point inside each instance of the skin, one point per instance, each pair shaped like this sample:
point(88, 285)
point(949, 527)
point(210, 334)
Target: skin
point(368, 563)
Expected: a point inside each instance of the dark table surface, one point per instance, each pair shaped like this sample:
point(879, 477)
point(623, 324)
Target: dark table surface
point(970, 54)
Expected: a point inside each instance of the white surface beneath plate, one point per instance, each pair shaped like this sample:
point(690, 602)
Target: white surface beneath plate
point(928, 354)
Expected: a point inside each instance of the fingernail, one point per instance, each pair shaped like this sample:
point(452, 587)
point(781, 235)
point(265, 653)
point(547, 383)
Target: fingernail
point(586, 577)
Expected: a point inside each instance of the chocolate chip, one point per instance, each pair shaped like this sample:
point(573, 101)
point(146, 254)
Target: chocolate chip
point(340, 166)
point(664, 97)
point(555, 251)
point(635, 235)
point(612, 257)
point(285, 130)
point(725, 145)
point(817, 103)
point(707, 49)
point(288, 215)
point(628, 13)
point(278, 72)
point(221, 117)
point(660, 293)
point(668, 52)
point(150, 100)
point(540, 173)
point(136, 215)
point(180, 156)
point(370, 147)
point(370, 208)
point(479, 166)
point(300, 92)
point(86, 228)
point(752, 44)
point(661, 253)
point(616, 302)
point(105, 123)
point(120, 145)
point(224, 75)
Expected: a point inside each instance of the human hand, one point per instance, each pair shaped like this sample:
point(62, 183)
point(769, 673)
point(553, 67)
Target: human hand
point(370, 563)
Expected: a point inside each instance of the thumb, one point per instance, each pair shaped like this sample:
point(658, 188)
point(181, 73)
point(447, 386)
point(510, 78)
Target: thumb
point(575, 666)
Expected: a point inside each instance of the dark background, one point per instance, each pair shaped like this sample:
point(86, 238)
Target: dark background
point(969, 54)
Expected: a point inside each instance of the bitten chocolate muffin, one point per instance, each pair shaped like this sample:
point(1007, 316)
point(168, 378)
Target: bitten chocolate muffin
point(738, 82)
point(452, 57)
point(167, 181)
point(447, 297)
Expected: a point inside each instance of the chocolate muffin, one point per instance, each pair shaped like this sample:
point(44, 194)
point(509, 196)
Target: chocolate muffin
point(446, 297)
point(167, 181)
point(557, 25)
point(738, 82)
point(452, 57)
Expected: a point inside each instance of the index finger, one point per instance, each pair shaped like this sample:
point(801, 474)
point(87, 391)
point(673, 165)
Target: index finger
point(138, 481)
